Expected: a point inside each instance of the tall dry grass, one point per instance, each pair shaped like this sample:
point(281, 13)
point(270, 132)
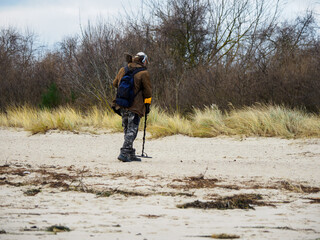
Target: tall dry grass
point(161, 124)
point(258, 120)
point(65, 118)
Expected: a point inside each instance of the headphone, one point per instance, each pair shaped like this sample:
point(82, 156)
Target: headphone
point(145, 57)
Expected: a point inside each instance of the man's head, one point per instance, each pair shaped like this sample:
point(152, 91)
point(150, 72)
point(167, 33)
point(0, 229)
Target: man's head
point(141, 57)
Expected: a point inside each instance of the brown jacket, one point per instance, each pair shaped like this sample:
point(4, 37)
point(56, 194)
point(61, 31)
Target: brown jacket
point(141, 81)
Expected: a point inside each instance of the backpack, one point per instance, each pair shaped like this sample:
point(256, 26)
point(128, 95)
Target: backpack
point(125, 92)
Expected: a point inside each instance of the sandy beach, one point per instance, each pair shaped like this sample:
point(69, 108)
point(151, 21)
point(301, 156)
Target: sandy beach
point(75, 180)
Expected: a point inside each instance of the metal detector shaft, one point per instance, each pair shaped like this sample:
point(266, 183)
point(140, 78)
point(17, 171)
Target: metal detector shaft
point(143, 154)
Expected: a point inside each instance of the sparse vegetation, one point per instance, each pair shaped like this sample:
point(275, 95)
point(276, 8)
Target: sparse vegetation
point(219, 236)
point(73, 180)
point(299, 188)
point(224, 236)
point(58, 228)
point(242, 201)
point(314, 200)
point(32, 192)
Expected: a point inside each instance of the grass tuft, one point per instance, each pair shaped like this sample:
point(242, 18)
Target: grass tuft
point(242, 201)
point(161, 124)
point(208, 122)
point(58, 228)
point(224, 236)
point(32, 192)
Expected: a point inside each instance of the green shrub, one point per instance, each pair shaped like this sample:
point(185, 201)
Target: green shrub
point(51, 98)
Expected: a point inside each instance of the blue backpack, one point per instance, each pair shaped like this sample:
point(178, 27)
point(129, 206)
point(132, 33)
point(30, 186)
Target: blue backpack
point(125, 92)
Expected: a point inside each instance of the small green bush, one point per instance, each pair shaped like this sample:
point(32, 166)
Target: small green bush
point(51, 98)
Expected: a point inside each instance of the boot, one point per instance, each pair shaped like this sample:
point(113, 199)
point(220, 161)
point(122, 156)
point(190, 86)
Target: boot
point(133, 157)
point(124, 158)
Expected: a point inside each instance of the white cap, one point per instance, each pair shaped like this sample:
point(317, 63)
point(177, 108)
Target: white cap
point(145, 57)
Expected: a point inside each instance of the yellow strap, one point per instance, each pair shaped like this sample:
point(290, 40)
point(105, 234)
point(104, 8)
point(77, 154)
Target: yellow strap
point(147, 100)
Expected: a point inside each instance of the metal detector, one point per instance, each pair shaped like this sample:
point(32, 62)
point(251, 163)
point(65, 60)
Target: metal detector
point(143, 154)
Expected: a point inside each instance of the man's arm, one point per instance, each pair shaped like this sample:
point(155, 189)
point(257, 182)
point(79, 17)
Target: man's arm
point(147, 91)
point(146, 86)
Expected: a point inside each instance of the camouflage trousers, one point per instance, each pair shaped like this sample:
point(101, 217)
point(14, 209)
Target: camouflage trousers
point(130, 124)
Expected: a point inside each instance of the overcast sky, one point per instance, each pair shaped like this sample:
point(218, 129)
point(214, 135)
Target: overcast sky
point(52, 20)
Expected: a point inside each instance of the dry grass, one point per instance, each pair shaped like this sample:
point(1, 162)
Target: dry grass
point(161, 124)
point(258, 120)
point(224, 236)
point(241, 201)
point(208, 122)
point(273, 121)
point(65, 119)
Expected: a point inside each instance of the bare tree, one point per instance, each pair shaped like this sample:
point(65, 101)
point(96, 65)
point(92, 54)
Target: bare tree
point(202, 52)
point(92, 62)
point(17, 58)
point(201, 32)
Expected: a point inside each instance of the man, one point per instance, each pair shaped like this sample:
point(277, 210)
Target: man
point(140, 106)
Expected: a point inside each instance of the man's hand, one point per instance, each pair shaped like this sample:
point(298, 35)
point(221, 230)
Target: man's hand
point(147, 105)
point(147, 102)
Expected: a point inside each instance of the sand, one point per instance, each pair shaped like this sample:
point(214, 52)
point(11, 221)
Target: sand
point(85, 188)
